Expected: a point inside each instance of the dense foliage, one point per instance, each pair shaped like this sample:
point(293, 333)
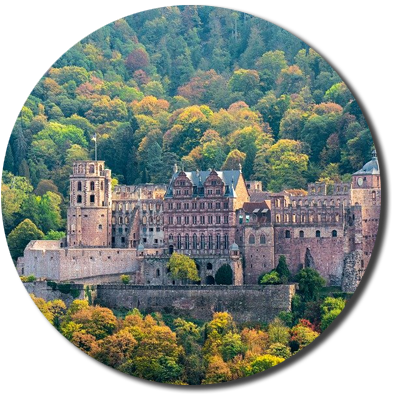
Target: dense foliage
point(200, 86)
point(182, 352)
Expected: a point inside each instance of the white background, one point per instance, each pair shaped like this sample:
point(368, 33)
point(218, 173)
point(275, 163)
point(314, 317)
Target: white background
point(377, 381)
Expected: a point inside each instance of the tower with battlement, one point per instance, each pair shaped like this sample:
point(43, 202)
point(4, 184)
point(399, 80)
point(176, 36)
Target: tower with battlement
point(89, 213)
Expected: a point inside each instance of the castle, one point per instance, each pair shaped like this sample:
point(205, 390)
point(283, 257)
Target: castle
point(216, 218)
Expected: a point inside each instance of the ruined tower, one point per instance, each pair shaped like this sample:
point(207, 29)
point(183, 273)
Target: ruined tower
point(89, 213)
point(366, 191)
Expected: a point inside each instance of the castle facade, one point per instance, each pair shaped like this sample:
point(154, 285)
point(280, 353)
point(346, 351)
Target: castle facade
point(216, 218)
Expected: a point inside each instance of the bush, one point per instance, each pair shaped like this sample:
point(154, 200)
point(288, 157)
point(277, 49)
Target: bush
point(224, 275)
point(271, 278)
point(125, 279)
point(29, 278)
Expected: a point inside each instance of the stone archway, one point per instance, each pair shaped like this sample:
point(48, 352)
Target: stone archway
point(210, 280)
point(171, 249)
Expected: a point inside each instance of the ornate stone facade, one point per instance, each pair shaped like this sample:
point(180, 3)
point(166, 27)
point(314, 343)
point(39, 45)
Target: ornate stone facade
point(216, 218)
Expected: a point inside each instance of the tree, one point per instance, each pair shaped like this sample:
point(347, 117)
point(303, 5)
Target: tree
point(182, 267)
point(224, 275)
point(278, 332)
point(282, 269)
point(271, 278)
point(263, 363)
point(310, 283)
point(233, 160)
point(125, 279)
point(270, 65)
point(20, 236)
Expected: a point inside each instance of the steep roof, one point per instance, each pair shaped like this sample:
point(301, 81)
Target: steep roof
point(370, 168)
point(197, 178)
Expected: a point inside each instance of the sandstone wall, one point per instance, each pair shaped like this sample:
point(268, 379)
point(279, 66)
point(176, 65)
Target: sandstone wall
point(245, 303)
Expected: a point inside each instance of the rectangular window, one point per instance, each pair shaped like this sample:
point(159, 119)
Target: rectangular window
point(218, 206)
point(218, 191)
point(226, 241)
point(210, 219)
point(194, 206)
point(186, 206)
point(209, 191)
point(194, 219)
point(210, 242)
point(226, 205)
point(92, 198)
point(186, 220)
point(170, 220)
point(202, 219)
point(178, 206)
point(218, 245)
point(179, 220)
point(225, 219)
point(218, 219)
point(202, 206)
point(170, 206)
point(186, 192)
point(210, 206)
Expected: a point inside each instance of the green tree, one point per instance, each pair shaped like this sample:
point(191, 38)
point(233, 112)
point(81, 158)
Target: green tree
point(182, 267)
point(310, 283)
point(224, 275)
point(20, 236)
point(282, 269)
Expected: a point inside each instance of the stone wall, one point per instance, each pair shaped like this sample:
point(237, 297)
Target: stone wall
point(245, 303)
point(51, 291)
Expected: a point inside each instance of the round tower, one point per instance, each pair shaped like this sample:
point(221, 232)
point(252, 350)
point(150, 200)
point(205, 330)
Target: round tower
point(366, 192)
point(89, 213)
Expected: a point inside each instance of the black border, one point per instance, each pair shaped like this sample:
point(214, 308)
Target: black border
point(377, 116)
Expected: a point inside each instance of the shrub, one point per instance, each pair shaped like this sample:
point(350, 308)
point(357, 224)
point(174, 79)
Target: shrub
point(271, 278)
point(224, 275)
point(125, 279)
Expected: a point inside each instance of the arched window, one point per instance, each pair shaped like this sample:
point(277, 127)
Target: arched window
point(92, 185)
point(337, 217)
point(80, 169)
point(195, 241)
point(210, 241)
point(91, 169)
point(119, 206)
point(120, 220)
point(278, 218)
point(202, 241)
point(144, 220)
point(79, 186)
point(318, 234)
point(101, 185)
point(286, 217)
point(294, 217)
point(79, 198)
point(373, 195)
point(127, 220)
point(334, 233)
point(100, 168)
point(171, 237)
point(218, 244)
point(187, 241)
point(157, 272)
point(209, 266)
point(287, 234)
point(179, 241)
point(303, 218)
point(301, 234)
point(252, 239)
point(262, 239)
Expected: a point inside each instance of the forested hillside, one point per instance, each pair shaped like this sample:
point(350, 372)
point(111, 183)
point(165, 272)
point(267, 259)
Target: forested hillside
point(168, 349)
point(202, 87)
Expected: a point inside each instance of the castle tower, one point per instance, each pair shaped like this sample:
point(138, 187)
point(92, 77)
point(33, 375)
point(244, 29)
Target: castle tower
point(89, 213)
point(366, 192)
